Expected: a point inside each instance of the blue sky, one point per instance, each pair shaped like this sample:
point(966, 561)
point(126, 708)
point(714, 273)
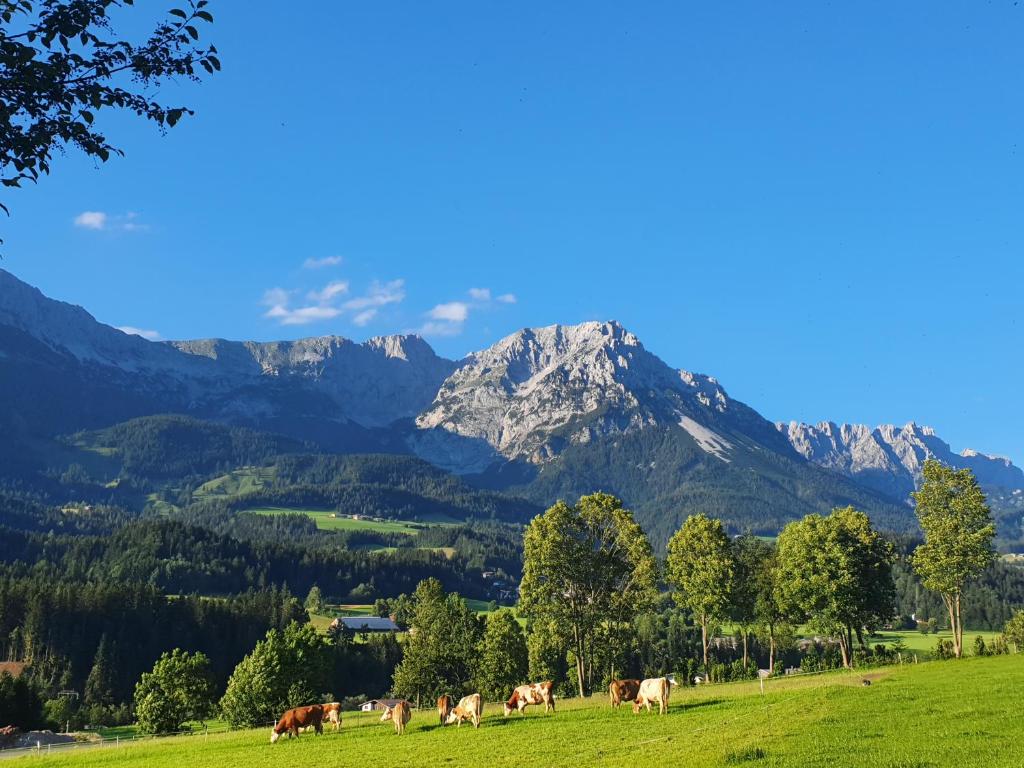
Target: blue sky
point(820, 204)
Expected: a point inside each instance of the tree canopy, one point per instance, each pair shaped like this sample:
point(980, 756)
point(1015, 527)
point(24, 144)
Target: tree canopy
point(440, 653)
point(701, 568)
point(958, 533)
point(179, 689)
point(62, 64)
point(585, 565)
point(835, 572)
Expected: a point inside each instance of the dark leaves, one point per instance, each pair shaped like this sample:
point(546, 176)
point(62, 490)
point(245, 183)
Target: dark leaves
point(61, 63)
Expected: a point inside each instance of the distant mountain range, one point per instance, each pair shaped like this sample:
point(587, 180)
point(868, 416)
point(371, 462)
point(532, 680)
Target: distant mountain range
point(890, 458)
point(543, 413)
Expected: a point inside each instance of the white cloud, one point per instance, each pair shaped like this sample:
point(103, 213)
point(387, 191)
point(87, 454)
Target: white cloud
point(453, 312)
point(99, 220)
point(329, 292)
point(507, 298)
point(326, 261)
point(91, 220)
point(133, 331)
point(325, 307)
point(378, 295)
point(480, 294)
point(364, 317)
point(439, 328)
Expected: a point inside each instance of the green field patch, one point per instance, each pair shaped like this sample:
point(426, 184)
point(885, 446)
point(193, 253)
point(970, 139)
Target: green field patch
point(328, 520)
point(236, 482)
point(962, 713)
point(916, 642)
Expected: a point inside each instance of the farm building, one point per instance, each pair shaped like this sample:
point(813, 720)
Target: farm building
point(364, 624)
point(376, 704)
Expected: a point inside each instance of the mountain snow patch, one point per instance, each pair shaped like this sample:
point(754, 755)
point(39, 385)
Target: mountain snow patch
point(710, 441)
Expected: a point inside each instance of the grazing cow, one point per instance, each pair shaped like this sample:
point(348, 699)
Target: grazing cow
point(398, 714)
point(470, 708)
point(622, 690)
point(444, 708)
point(300, 717)
point(533, 693)
point(654, 690)
point(332, 714)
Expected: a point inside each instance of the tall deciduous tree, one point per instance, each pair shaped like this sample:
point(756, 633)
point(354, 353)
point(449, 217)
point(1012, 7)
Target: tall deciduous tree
point(179, 689)
point(61, 64)
point(835, 572)
point(503, 656)
point(751, 557)
point(701, 568)
point(958, 533)
point(441, 651)
point(584, 565)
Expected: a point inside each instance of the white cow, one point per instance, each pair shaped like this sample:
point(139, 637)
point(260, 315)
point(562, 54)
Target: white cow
point(653, 690)
point(469, 708)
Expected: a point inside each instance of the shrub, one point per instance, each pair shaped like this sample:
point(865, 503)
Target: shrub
point(979, 646)
point(944, 649)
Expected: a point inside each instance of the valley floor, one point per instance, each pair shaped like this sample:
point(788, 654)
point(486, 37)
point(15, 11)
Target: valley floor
point(963, 713)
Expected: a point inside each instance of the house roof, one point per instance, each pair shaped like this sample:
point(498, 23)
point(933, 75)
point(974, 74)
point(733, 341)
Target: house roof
point(367, 624)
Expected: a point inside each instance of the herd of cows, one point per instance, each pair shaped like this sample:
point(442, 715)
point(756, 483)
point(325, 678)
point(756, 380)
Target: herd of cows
point(643, 694)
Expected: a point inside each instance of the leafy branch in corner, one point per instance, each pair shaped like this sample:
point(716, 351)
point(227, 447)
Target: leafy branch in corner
point(61, 63)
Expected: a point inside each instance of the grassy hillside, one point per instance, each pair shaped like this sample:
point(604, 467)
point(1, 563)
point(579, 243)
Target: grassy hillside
point(937, 714)
point(327, 521)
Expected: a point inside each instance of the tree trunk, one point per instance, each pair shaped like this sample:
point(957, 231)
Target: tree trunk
point(960, 629)
point(580, 668)
point(704, 642)
point(771, 650)
point(952, 624)
point(844, 650)
point(744, 649)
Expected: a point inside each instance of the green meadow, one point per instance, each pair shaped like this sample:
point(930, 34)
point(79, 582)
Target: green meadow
point(326, 520)
point(963, 713)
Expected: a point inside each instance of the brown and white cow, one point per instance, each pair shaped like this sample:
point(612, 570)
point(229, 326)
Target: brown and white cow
point(532, 693)
point(398, 714)
point(300, 717)
point(332, 714)
point(622, 690)
point(470, 708)
point(444, 707)
point(654, 690)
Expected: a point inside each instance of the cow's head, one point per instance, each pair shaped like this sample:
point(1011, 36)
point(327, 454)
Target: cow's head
point(387, 715)
point(637, 703)
point(672, 680)
point(274, 735)
point(453, 716)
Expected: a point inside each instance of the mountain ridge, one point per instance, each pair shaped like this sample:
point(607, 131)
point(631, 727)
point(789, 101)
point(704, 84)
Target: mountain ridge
point(537, 411)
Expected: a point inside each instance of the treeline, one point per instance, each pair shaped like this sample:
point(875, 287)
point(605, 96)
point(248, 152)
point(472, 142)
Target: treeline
point(98, 637)
point(182, 558)
point(989, 601)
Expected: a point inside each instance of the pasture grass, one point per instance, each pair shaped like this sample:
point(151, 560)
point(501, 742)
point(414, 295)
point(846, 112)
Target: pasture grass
point(927, 715)
point(924, 645)
point(326, 521)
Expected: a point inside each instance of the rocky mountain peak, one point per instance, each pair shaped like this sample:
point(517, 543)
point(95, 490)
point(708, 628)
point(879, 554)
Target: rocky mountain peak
point(890, 458)
point(541, 389)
